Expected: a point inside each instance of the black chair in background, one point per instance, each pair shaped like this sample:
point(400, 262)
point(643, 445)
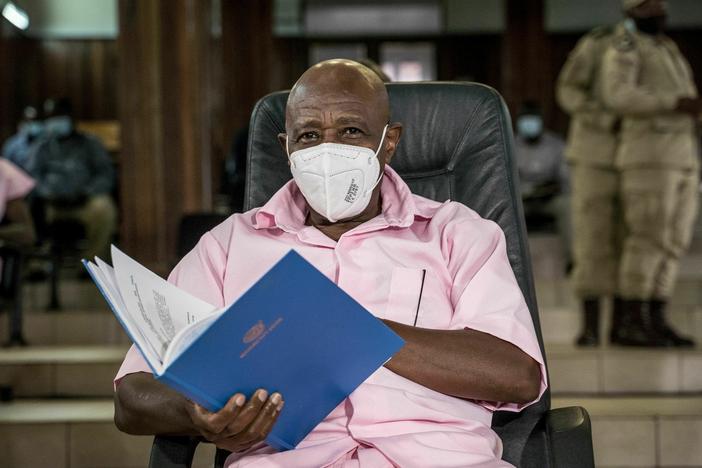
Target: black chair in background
point(57, 242)
point(11, 293)
point(456, 144)
point(192, 227)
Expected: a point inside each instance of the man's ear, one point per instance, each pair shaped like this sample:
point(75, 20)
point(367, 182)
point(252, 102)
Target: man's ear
point(392, 139)
point(282, 138)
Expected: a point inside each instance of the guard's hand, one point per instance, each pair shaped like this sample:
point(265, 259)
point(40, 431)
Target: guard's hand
point(692, 106)
point(239, 424)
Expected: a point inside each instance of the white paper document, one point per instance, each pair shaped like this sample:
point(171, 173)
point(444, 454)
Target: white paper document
point(161, 318)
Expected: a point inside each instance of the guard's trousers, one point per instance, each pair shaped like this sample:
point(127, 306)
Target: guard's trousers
point(660, 207)
point(597, 229)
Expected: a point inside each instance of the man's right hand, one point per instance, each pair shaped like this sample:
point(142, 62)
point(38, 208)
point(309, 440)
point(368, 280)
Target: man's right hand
point(692, 106)
point(239, 425)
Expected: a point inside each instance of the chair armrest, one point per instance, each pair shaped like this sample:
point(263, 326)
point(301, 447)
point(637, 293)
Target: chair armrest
point(172, 452)
point(570, 437)
point(178, 452)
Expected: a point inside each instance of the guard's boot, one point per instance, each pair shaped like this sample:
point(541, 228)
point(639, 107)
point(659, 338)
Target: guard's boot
point(634, 326)
point(617, 315)
point(664, 330)
point(590, 335)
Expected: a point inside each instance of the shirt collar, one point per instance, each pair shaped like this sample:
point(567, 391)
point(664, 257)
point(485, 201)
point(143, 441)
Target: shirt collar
point(287, 209)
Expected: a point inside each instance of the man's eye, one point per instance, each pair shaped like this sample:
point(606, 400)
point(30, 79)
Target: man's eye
point(352, 131)
point(308, 136)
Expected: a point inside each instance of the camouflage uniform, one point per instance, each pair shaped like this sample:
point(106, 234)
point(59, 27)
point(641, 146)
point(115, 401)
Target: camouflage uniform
point(643, 76)
point(590, 151)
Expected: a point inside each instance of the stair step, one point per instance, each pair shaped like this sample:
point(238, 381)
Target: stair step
point(73, 294)
point(643, 431)
point(631, 431)
point(69, 371)
point(73, 434)
point(69, 327)
point(611, 371)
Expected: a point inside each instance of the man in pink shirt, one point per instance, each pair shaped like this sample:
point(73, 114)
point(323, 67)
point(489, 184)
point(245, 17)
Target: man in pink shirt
point(436, 273)
point(15, 185)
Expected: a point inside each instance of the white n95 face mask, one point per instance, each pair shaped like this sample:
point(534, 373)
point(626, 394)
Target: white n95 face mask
point(337, 180)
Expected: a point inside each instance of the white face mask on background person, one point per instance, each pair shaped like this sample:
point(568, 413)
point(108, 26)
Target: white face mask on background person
point(337, 180)
point(58, 126)
point(530, 126)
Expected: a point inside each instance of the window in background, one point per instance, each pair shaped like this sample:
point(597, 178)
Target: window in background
point(325, 18)
point(408, 61)
point(351, 51)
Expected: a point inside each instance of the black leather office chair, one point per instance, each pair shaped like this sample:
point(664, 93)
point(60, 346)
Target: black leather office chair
point(456, 144)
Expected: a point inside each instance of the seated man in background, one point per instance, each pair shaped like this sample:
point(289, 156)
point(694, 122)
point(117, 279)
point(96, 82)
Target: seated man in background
point(543, 172)
point(470, 345)
point(18, 147)
point(75, 178)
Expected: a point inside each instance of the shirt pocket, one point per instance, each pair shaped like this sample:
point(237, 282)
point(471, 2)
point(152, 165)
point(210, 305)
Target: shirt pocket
point(404, 299)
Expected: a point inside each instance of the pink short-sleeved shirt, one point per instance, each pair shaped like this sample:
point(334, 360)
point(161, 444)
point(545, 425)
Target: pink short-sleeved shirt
point(14, 184)
point(444, 252)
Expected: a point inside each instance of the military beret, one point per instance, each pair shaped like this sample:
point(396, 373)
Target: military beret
point(629, 4)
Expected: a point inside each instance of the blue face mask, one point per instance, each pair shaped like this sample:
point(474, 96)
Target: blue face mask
point(31, 129)
point(530, 126)
point(59, 126)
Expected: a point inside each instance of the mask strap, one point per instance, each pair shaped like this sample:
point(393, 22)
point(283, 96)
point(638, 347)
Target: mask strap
point(382, 139)
point(380, 176)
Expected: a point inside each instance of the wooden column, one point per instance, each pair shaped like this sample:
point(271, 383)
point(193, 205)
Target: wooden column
point(525, 54)
point(165, 116)
point(255, 62)
point(5, 116)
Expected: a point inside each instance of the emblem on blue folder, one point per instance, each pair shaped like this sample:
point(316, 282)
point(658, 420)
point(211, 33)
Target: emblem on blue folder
point(254, 332)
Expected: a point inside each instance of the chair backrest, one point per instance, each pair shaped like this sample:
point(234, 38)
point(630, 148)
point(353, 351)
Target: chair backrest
point(456, 144)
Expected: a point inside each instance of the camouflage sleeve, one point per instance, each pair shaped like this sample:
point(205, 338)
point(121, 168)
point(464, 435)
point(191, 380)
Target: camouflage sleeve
point(621, 90)
point(575, 79)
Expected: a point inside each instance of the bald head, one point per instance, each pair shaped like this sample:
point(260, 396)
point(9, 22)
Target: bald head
point(344, 79)
point(340, 101)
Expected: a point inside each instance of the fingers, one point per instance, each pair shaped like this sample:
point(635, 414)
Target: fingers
point(239, 423)
point(264, 421)
point(258, 429)
point(216, 422)
point(247, 414)
point(267, 425)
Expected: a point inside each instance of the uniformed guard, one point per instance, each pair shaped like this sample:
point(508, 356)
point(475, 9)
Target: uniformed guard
point(647, 81)
point(590, 150)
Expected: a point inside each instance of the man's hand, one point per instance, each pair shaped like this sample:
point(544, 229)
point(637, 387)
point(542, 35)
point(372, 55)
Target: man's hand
point(692, 106)
point(239, 425)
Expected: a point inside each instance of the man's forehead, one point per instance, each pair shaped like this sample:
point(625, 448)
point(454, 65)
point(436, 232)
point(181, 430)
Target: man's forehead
point(337, 88)
point(307, 106)
point(348, 106)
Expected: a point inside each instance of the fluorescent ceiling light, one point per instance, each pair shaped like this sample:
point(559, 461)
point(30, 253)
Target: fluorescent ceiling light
point(16, 16)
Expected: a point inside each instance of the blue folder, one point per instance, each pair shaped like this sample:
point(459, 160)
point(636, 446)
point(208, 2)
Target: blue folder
point(294, 332)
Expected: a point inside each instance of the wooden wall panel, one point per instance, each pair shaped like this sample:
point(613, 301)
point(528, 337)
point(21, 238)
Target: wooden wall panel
point(85, 71)
point(254, 62)
point(525, 50)
point(166, 122)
